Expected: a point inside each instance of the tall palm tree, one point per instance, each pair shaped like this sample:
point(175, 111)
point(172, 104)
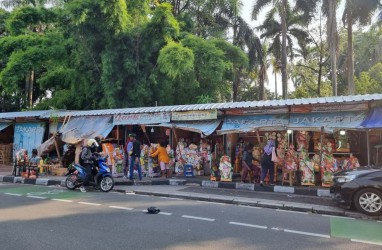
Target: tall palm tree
point(272, 29)
point(243, 37)
point(356, 11)
point(332, 38)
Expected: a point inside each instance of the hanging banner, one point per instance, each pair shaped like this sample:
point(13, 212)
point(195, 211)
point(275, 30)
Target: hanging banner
point(139, 119)
point(195, 115)
point(328, 119)
point(236, 124)
point(329, 107)
point(28, 136)
point(275, 110)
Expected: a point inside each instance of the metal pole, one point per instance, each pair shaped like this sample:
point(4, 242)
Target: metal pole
point(368, 147)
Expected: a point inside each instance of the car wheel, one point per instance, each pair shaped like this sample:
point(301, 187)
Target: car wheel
point(369, 201)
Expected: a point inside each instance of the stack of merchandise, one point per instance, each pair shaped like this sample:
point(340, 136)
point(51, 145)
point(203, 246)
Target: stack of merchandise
point(153, 164)
point(225, 168)
point(180, 157)
point(205, 155)
point(117, 167)
point(328, 164)
point(171, 155)
point(192, 157)
point(144, 160)
point(306, 168)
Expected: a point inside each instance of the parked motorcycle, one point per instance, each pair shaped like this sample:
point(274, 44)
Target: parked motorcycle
point(101, 177)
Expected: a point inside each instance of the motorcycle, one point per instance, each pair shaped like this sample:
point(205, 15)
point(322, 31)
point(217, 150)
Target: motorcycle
point(101, 177)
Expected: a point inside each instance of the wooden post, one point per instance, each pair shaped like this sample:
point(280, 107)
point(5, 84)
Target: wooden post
point(368, 147)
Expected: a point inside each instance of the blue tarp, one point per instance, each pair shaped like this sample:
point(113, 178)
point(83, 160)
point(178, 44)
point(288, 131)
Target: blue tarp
point(79, 128)
point(205, 128)
point(345, 119)
point(28, 136)
point(4, 125)
point(247, 123)
point(374, 119)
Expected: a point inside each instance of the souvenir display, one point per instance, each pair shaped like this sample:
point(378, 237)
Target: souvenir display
point(153, 164)
point(307, 168)
point(226, 169)
point(144, 160)
point(350, 163)
point(302, 140)
point(328, 165)
point(117, 167)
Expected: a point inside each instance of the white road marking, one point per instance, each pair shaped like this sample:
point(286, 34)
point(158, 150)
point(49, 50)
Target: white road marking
point(13, 194)
point(89, 203)
point(289, 211)
point(306, 233)
point(171, 198)
point(197, 218)
point(247, 225)
point(164, 213)
point(63, 200)
point(130, 193)
point(249, 206)
point(123, 208)
point(277, 229)
point(380, 221)
point(211, 202)
point(145, 211)
point(36, 197)
point(367, 242)
point(334, 216)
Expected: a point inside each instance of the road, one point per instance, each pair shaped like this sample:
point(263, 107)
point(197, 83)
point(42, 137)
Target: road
point(39, 217)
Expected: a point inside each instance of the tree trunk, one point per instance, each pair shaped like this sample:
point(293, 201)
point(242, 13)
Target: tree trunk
point(284, 77)
point(350, 52)
point(276, 84)
point(236, 86)
point(332, 41)
point(30, 89)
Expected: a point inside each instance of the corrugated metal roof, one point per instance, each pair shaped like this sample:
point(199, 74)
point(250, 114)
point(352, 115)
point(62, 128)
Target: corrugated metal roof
point(33, 113)
point(219, 106)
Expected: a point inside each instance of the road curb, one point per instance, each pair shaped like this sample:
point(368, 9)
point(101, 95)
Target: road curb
point(262, 204)
point(179, 182)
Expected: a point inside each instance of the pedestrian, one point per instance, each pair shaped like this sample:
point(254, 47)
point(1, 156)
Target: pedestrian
point(134, 157)
point(128, 150)
point(250, 164)
point(266, 163)
point(163, 158)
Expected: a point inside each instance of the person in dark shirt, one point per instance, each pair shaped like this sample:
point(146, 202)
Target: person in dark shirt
point(134, 157)
point(250, 164)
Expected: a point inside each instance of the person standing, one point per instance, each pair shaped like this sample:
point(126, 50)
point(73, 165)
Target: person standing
point(267, 164)
point(163, 158)
point(128, 151)
point(134, 157)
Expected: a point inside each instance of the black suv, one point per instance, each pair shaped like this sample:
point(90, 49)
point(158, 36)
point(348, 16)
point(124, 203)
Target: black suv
point(361, 187)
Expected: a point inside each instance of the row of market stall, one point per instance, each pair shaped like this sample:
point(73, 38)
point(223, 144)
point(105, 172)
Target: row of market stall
point(315, 136)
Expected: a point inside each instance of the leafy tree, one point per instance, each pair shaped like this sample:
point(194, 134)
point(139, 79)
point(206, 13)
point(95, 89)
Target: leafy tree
point(356, 11)
point(369, 82)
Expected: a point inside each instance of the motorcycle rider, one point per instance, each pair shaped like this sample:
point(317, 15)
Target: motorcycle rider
point(88, 157)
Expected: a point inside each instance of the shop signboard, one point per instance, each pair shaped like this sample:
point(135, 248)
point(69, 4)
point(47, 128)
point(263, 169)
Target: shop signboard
point(196, 115)
point(141, 119)
point(265, 110)
point(329, 107)
point(247, 123)
point(352, 119)
point(28, 136)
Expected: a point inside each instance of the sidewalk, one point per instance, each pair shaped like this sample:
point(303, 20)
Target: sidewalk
point(277, 197)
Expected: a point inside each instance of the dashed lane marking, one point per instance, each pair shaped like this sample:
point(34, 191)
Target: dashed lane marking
point(247, 225)
point(249, 206)
point(211, 202)
point(171, 198)
point(197, 218)
point(89, 203)
point(290, 211)
point(367, 242)
point(334, 216)
point(123, 208)
point(307, 233)
point(13, 194)
point(63, 200)
point(37, 197)
point(164, 213)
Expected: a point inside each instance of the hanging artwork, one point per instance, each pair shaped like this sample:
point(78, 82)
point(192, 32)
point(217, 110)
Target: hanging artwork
point(306, 168)
point(225, 168)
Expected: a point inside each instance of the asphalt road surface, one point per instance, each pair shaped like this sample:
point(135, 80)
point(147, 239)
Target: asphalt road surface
point(39, 217)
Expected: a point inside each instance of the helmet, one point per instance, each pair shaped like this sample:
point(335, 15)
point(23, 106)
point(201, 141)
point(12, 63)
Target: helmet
point(92, 143)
